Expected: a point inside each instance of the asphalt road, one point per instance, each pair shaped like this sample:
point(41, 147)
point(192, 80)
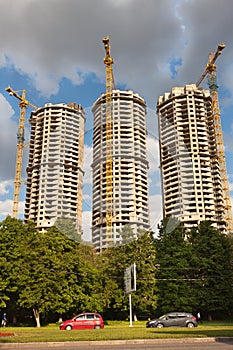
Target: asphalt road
point(175, 344)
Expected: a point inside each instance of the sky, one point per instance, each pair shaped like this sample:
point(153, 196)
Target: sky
point(53, 49)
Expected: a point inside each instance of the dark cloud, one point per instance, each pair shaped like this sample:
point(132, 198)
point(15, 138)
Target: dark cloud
point(51, 39)
point(206, 24)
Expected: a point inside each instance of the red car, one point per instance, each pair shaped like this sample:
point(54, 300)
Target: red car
point(91, 320)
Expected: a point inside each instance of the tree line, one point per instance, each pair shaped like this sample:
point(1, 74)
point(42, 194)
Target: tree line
point(49, 276)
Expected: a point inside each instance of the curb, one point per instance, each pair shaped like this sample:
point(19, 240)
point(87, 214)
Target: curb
point(114, 342)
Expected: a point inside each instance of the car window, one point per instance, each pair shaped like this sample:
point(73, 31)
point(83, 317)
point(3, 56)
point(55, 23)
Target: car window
point(97, 316)
point(171, 317)
point(181, 316)
point(80, 317)
point(90, 317)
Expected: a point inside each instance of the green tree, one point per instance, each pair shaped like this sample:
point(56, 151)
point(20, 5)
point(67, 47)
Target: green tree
point(212, 255)
point(142, 252)
point(67, 227)
point(47, 279)
point(174, 267)
point(127, 234)
point(3, 286)
point(12, 236)
point(60, 276)
point(47, 272)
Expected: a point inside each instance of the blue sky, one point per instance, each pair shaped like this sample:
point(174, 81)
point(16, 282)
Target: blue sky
point(53, 49)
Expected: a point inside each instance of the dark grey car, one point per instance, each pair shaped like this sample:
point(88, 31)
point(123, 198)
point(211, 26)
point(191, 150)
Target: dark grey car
point(173, 319)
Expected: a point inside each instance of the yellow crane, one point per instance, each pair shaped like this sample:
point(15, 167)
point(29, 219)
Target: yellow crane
point(212, 82)
point(108, 61)
point(20, 145)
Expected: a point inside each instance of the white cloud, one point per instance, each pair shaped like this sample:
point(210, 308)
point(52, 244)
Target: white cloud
point(8, 131)
point(6, 208)
point(88, 154)
point(4, 187)
point(153, 154)
point(21, 207)
point(86, 225)
point(156, 212)
point(230, 186)
point(119, 3)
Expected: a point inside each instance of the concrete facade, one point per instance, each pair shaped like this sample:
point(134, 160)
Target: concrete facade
point(55, 166)
point(191, 182)
point(129, 167)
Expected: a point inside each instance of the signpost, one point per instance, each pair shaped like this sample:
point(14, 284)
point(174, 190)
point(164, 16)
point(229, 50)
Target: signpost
point(130, 286)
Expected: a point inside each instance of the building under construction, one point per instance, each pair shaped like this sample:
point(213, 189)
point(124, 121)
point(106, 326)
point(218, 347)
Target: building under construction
point(55, 166)
point(192, 184)
point(125, 185)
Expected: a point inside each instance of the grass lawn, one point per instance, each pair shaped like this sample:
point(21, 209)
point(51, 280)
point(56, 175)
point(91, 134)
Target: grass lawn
point(112, 331)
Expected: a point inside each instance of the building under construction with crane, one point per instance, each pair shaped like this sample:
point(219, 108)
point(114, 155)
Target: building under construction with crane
point(120, 165)
point(193, 169)
point(55, 166)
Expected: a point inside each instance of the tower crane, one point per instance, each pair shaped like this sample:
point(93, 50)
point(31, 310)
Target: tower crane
point(212, 82)
point(108, 61)
point(20, 145)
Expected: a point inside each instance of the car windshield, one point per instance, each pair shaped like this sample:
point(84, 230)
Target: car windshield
point(162, 317)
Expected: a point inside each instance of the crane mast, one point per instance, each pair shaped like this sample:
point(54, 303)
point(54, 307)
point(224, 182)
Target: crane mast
point(108, 61)
point(212, 83)
point(20, 145)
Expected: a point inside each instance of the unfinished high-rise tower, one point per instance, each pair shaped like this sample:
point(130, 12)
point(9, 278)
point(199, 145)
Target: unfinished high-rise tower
point(129, 168)
point(55, 166)
point(191, 178)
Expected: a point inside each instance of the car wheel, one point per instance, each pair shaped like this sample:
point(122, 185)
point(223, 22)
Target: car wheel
point(190, 325)
point(159, 325)
point(97, 327)
point(68, 328)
